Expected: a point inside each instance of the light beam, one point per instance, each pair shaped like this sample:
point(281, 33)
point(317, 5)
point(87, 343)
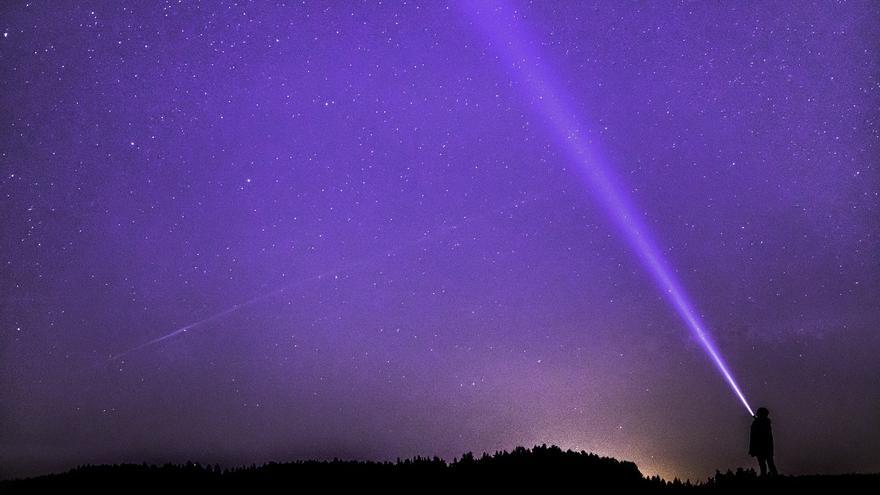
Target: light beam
point(549, 99)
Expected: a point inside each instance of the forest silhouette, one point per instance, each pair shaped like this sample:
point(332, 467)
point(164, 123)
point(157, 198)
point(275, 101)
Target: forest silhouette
point(538, 468)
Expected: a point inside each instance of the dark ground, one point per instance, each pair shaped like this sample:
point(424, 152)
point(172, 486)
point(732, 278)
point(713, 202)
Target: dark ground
point(538, 469)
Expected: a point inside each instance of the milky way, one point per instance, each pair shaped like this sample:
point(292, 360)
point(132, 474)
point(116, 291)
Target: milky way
point(379, 245)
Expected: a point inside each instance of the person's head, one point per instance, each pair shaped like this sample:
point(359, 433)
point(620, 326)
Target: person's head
point(762, 412)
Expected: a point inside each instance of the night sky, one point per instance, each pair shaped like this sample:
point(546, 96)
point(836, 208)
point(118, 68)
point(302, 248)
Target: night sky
point(238, 232)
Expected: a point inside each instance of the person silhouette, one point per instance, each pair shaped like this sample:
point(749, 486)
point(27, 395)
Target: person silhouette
point(761, 441)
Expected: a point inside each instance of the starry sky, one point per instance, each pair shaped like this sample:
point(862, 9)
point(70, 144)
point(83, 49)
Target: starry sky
point(238, 232)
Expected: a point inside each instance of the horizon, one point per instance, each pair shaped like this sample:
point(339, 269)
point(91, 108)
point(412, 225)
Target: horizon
point(426, 457)
point(250, 231)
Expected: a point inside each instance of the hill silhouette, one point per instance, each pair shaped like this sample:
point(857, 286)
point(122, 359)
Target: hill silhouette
point(538, 468)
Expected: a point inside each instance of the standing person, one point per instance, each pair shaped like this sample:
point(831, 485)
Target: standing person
point(761, 441)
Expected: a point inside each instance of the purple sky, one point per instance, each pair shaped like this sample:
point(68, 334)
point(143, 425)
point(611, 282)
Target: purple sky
point(369, 224)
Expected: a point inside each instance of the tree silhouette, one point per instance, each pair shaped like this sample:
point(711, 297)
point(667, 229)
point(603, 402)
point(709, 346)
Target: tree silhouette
point(540, 468)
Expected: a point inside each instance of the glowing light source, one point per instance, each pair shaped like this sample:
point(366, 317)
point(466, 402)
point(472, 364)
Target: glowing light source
point(501, 25)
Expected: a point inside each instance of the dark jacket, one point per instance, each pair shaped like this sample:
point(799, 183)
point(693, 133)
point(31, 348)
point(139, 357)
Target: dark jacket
point(761, 438)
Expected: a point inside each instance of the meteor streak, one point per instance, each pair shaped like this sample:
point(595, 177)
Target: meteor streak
point(550, 101)
point(428, 235)
point(230, 310)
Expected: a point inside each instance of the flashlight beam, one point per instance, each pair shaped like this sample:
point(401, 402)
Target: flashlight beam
point(500, 24)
